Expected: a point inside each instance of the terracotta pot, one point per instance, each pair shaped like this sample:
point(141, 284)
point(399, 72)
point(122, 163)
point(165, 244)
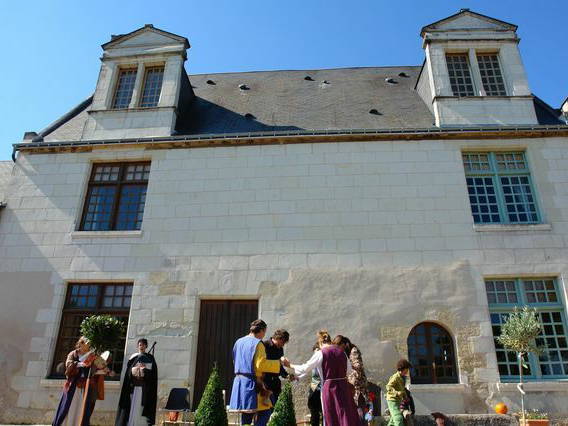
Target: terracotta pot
point(534, 422)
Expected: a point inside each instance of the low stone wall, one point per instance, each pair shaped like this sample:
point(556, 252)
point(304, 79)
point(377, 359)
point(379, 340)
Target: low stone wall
point(463, 420)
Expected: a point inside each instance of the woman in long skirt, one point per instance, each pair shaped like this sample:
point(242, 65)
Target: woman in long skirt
point(85, 372)
point(332, 365)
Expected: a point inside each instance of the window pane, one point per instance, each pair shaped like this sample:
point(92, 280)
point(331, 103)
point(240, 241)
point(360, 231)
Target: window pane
point(476, 161)
point(124, 88)
point(554, 333)
point(518, 199)
point(499, 291)
point(491, 76)
point(460, 76)
point(511, 161)
point(483, 202)
point(152, 87)
point(131, 207)
point(98, 210)
point(106, 173)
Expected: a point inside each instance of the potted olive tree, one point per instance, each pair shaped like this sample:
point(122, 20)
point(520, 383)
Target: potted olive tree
point(518, 335)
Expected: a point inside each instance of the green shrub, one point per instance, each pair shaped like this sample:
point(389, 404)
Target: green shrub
point(211, 409)
point(284, 414)
point(103, 332)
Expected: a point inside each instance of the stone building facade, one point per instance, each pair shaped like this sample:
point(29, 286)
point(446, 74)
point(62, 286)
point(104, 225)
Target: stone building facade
point(408, 208)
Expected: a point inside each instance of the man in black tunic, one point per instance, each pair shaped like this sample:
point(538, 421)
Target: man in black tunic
point(138, 396)
point(275, 350)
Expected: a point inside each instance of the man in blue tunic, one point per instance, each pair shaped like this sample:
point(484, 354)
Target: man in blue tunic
point(249, 357)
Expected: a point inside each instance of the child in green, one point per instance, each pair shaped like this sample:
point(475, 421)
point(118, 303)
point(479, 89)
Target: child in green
point(396, 392)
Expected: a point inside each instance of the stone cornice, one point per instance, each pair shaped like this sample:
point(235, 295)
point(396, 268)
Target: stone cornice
point(302, 136)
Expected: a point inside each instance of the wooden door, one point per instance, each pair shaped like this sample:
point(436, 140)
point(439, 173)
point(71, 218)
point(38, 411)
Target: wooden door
point(221, 323)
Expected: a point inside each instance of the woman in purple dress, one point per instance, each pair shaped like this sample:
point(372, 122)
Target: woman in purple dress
point(332, 366)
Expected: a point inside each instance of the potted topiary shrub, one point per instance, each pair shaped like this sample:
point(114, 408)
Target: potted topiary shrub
point(518, 335)
point(211, 410)
point(284, 413)
point(103, 332)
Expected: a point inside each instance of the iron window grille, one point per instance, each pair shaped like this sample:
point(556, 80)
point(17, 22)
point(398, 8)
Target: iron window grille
point(460, 74)
point(83, 300)
point(124, 88)
point(116, 197)
point(491, 76)
point(152, 87)
point(500, 187)
point(543, 294)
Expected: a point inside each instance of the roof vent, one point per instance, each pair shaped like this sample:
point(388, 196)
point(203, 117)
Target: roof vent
point(249, 116)
point(244, 87)
point(403, 74)
point(390, 80)
point(211, 82)
point(464, 10)
point(308, 78)
point(325, 82)
point(374, 112)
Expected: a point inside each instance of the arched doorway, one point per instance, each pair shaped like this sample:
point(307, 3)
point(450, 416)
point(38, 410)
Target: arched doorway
point(432, 355)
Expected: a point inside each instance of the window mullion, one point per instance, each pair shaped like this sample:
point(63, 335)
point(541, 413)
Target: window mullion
point(498, 189)
point(116, 203)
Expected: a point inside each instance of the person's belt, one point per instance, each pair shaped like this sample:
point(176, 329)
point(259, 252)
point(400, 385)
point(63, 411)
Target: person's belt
point(249, 375)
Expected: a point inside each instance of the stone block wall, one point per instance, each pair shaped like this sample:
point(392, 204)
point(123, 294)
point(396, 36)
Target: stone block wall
point(364, 238)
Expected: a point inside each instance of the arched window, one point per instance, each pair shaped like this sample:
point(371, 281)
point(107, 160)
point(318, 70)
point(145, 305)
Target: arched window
point(431, 353)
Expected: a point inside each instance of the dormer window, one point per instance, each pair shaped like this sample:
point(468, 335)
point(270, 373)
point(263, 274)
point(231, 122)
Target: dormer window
point(460, 74)
point(491, 75)
point(124, 88)
point(152, 87)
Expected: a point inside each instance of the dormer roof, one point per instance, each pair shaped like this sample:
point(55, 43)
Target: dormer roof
point(141, 37)
point(466, 19)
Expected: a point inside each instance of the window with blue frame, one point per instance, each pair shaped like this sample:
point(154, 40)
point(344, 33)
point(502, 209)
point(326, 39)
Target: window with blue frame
point(500, 188)
point(543, 294)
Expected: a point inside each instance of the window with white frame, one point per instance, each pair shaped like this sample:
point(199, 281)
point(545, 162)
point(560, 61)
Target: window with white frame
point(491, 76)
point(460, 74)
point(152, 86)
point(544, 295)
point(500, 188)
point(124, 88)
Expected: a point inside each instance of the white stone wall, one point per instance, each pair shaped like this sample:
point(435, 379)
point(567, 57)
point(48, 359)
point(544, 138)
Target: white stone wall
point(281, 220)
point(5, 173)
point(141, 51)
point(464, 35)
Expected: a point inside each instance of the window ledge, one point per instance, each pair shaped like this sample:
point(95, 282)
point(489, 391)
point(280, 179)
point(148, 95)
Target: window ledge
point(441, 387)
point(105, 234)
point(512, 228)
point(58, 383)
point(553, 385)
point(156, 108)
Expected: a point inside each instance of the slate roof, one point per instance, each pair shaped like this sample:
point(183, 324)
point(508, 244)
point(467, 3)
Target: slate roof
point(284, 100)
point(334, 99)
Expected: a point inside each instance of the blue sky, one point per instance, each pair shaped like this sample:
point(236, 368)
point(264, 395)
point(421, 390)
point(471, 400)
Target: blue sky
point(52, 48)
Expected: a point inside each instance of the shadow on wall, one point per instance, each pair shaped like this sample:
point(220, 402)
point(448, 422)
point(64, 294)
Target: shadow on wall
point(26, 295)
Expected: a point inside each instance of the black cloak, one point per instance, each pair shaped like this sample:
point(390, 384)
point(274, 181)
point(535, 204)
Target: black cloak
point(149, 390)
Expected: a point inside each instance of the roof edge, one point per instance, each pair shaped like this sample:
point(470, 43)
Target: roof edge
point(148, 27)
point(306, 136)
point(63, 119)
point(471, 12)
